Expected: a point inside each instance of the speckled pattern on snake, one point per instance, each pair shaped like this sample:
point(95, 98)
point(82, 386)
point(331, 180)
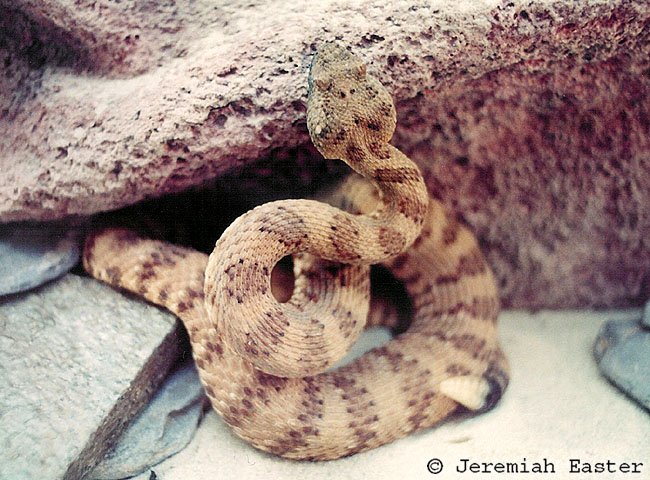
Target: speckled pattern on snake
point(265, 364)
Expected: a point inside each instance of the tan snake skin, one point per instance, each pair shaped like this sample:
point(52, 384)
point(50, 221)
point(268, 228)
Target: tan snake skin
point(264, 364)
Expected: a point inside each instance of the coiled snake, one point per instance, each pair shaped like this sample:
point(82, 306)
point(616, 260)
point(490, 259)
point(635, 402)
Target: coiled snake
point(264, 364)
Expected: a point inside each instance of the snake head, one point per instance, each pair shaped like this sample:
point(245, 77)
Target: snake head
point(346, 107)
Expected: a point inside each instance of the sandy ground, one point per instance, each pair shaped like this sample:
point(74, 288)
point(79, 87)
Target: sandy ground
point(557, 408)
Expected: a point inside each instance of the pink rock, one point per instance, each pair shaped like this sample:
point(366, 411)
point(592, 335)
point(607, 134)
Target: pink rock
point(530, 119)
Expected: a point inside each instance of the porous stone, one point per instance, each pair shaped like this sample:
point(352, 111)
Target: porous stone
point(79, 361)
point(163, 428)
point(622, 350)
point(33, 254)
point(528, 118)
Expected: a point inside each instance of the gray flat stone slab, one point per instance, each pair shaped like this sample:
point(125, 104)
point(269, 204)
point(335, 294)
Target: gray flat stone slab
point(79, 361)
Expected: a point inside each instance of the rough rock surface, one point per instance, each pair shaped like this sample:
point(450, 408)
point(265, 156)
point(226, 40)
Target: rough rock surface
point(79, 360)
point(530, 118)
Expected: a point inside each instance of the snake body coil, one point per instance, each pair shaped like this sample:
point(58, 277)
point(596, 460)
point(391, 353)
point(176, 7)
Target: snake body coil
point(264, 364)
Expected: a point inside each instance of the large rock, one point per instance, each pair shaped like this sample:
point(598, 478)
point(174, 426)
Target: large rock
point(529, 118)
point(79, 361)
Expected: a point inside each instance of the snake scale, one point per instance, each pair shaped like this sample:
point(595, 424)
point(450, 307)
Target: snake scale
point(266, 364)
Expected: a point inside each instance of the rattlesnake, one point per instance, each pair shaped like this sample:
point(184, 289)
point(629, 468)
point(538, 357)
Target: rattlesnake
point(264, 364)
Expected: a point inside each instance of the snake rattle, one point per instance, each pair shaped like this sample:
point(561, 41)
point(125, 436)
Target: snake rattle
point(266, 365)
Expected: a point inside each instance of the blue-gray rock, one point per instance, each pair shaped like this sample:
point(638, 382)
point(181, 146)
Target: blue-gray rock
point(165, 427)
point(622, 350)
point(79, 362)
point(32, 254)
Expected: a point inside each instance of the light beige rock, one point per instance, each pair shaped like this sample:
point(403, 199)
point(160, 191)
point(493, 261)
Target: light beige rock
point(79, 360)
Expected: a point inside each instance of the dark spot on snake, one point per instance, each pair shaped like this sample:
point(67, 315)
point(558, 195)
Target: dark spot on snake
point(379, 150)
point(355, 154)
point(194, 293)
point(147, 272)
point(417, 420)
point(163, 295)
point(470, 264)
point(266, 380)
point(394, 175)
point(429, 395)
point(386, 109)
point(181, 307)
point(450, 232)
point(373, 419)
point(231, 420)
point(391, 240)
point(393, 358)
point(215, 347)
point(365, 435)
